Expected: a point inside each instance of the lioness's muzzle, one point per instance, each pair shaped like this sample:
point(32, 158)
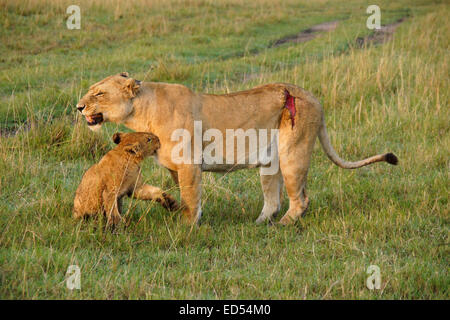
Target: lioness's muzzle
point(94, 119)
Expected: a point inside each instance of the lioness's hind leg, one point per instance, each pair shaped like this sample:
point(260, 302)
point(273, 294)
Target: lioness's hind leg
point(296, 147)
point(272, 186)
point(295, 181)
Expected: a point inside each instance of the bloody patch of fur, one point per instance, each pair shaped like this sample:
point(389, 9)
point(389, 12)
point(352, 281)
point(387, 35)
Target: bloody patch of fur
point(290, 105)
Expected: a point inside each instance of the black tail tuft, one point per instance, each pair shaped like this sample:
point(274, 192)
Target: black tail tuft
point(391, 158)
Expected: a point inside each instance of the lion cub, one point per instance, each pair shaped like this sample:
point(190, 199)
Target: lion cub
point(118, 174)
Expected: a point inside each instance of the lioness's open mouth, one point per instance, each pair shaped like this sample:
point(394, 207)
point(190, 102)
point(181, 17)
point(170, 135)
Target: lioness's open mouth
point(94, 119)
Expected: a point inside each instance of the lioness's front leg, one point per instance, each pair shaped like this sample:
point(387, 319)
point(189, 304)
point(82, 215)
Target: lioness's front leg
point(148, 192)
point(272, 186)
point(190, 181)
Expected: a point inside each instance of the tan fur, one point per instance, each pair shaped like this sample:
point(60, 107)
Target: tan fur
point(118, 174)
point(162, 108)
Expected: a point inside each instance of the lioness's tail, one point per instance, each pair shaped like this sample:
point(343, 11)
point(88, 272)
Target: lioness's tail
point(331, 153)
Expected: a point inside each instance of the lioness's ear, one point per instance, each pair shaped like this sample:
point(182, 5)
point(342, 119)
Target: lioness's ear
point(134, 149)
point(116, 137)
point(132, 87)
point(124, 74)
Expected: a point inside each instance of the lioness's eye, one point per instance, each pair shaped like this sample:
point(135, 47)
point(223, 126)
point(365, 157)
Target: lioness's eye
point(99, 94)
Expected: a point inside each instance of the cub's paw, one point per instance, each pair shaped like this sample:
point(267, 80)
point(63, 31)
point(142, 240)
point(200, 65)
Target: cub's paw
point(168, 202)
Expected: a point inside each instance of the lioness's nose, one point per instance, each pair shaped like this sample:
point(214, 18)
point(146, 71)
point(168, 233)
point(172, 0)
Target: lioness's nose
point(81, 107)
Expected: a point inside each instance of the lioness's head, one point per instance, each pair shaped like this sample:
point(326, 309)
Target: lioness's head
point(139, 144)
point(109, 100)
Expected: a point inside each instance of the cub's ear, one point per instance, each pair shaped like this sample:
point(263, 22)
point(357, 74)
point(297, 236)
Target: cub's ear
point(124, 74)
point(116, 137)
point(132, 87)
point(134, 149)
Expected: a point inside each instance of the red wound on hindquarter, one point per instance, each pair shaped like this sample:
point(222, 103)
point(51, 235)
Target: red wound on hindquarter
point(290, 105)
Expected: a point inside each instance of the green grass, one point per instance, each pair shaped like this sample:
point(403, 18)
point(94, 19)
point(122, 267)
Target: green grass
point(390, 97)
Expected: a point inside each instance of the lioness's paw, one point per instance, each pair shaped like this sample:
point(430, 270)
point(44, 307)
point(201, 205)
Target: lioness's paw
point(189, 219)
point(264, 219)
point(286, 220)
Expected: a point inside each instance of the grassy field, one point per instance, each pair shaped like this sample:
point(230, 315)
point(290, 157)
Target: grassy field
point(392, 96)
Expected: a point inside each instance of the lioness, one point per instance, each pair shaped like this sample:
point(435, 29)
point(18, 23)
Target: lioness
point(117, 174)
point(163, 108)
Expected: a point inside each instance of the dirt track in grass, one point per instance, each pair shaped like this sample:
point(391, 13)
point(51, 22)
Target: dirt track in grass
point(381, 35)
point(307, 34)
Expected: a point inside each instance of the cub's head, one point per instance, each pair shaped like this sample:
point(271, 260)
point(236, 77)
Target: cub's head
point(138, 144)
point(109, 100)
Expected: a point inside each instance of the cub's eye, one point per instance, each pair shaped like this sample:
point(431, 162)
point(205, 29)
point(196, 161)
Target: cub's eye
point(98, 94)
point(149, 140)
